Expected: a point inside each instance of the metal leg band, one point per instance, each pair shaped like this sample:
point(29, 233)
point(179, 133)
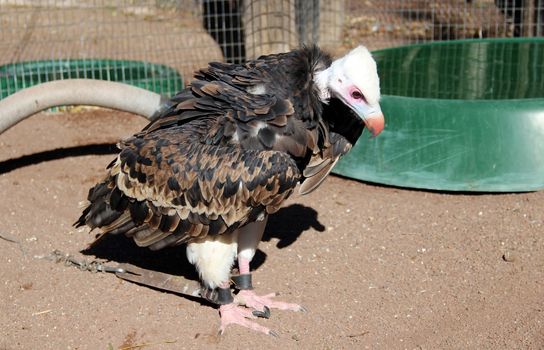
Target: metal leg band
point(242, 282)
point(220, 296)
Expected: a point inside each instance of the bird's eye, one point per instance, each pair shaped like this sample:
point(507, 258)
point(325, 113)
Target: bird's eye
point(357, 95)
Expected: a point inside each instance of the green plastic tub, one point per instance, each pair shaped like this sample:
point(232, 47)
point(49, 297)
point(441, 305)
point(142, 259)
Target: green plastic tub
point(460, 116)
point(154, 77)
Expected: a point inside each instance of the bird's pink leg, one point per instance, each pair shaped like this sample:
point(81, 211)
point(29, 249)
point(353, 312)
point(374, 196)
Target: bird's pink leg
point(235, 314)
point(248, 297)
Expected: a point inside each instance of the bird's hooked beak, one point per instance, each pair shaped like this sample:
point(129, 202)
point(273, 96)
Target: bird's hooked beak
point(372, 116)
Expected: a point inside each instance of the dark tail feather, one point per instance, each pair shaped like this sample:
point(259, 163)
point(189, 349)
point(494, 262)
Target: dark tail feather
point(81, 221)
point(99, 212)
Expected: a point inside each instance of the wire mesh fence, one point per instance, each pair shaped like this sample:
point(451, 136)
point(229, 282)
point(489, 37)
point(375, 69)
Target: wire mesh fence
point(158, 44)
point(396, 22)
point(503, 69)
point(111, 35)
point(249, 28)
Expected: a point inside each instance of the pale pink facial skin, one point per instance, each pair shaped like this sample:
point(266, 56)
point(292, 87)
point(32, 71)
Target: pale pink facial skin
point(355, 95)
point(372, 117)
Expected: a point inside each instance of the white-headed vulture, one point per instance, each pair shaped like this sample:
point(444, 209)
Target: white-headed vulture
point(226, 152)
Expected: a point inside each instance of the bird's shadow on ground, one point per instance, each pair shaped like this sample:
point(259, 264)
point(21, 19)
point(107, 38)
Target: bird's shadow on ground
point(289, 223)
point(286, 225)
point(55, 154)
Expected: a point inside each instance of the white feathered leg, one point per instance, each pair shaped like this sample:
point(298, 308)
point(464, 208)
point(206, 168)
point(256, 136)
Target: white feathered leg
point(213, 258)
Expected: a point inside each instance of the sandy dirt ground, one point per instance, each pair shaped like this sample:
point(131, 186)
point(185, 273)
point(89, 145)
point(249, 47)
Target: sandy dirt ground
point(376, 267)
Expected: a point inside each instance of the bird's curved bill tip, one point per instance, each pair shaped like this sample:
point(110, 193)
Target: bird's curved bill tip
point(375, 123)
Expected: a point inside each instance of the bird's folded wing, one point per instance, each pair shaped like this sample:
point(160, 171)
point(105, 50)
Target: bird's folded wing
point(321, 163)
point(170, 192)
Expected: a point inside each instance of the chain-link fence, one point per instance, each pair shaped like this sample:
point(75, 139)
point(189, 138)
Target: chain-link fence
point(41, 40)
point(390, 23)
point(156, 43)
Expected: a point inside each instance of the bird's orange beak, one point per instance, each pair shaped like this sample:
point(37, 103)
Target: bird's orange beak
point(371, 115)
point(374, 123)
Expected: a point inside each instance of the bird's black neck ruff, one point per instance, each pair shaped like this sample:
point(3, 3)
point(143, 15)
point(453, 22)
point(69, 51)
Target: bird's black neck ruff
point(342, 120)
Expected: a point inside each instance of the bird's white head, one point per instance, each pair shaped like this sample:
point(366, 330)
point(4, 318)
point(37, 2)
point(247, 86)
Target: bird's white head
point(354, 80)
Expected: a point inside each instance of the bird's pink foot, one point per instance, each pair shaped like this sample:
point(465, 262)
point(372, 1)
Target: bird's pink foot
point(235, 314)
point(264, 303)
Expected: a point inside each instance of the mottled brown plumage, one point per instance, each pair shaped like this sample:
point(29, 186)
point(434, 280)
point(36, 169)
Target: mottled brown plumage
point(219, 157)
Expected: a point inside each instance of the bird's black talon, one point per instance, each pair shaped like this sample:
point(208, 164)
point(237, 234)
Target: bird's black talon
point(274, 334)
point(264, 314)
point(303, 309)
point(258, 313)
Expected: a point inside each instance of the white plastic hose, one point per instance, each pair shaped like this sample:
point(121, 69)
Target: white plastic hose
point(90, 92)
